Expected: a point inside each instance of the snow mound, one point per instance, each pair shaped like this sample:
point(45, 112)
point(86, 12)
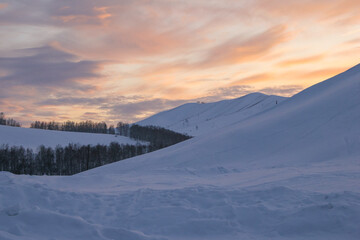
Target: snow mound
point(200, 118)
point(319, 124)
point(200, 211)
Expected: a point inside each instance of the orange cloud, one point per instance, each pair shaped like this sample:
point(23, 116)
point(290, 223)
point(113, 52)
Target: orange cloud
point(300, 61)
point(320, 9)
point(131, 31)
point(83, 16)
point(82, 19)
point(175, 92)
point(355, 41)
point(235, 51)
point(238, 50)
point(3, 5)
point(345, 12)
point(325, 73)
point(103, 12)
point(263, 77)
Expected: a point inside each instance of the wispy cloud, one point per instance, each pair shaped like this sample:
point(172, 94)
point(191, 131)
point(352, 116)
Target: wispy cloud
point(321, 10)
point(285, 90)
point(47, 67)
point(240, 50)
point(299, 61)
point(262, 77)
point(324, 73)
point(3, 5)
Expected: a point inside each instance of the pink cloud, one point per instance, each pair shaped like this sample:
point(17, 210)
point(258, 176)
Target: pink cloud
point(299, 61)
point(322, 10)
point(3, 5)
point(239, 50)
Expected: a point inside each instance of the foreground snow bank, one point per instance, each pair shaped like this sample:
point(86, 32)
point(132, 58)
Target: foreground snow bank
point(198, 208)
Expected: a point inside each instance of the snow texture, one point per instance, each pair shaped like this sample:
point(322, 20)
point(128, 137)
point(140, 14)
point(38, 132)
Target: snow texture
point(195, 119)
point(291, 172)
point(33, 138)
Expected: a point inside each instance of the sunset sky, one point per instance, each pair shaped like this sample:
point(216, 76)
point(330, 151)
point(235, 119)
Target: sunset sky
point(124, 60)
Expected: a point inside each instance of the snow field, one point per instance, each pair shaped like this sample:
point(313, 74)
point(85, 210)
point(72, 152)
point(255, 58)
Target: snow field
point(267, 210)
point(196, 119)
point(33, 138)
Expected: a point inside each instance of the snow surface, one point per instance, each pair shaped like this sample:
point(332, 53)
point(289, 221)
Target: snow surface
point(195, 119)
point(33, 138)
point(291, 172)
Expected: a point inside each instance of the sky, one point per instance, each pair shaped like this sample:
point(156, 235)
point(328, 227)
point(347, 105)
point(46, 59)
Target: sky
point(124, 60)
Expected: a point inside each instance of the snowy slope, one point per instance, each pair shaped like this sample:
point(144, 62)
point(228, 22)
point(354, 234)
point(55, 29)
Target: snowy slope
point(195, 119)
point(291, 172)
point(33, 138)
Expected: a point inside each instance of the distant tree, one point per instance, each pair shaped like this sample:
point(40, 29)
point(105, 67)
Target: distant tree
point(67, 160)
point(8, 121)
point(71, 126)
point(74, 158)
point(123, 129)
point(111, 129)
point(2, 118)
point(157, 136)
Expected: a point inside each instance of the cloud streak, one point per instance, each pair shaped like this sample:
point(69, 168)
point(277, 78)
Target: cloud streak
point(299, 61)
point(240, 50)
point(47, 67)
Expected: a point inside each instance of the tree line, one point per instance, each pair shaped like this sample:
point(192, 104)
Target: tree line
point(67, 160)
point(71, 126)
point(75, 158)
point(8, 121)
point(157, 136)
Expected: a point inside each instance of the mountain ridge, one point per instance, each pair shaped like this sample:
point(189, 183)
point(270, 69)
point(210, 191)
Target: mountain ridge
point(287, 125)
point(199, 118)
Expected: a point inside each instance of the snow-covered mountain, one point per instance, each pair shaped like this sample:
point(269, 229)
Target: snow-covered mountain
point(291, 172)
point(195, 119)
point(33, 138)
